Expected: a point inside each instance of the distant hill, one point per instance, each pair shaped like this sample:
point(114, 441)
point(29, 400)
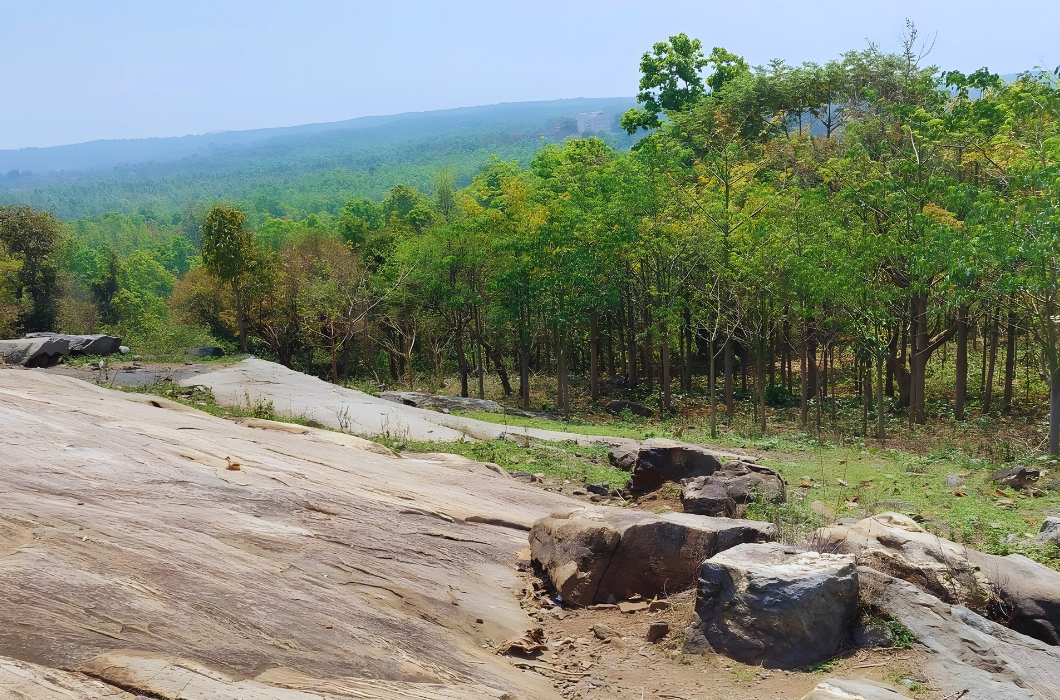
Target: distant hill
point(363, 156)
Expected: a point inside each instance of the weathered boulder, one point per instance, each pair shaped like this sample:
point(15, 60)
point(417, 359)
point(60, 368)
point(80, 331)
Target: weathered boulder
point(1028, 593)
point(589, 554)
point(438, 402)
point(859, 689)
point(873, 635)
point(963, 650)
point(33, 352)
point(636, 409)
point(97, 344)
point(734, 485)
point(1050, 531)
point(896, 545)
point(1016, 477)
point(205, 351)
point(774, 605)
point(1025, 593)
point(653, 462)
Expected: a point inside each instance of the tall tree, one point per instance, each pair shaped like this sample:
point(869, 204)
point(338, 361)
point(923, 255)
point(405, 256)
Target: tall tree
point(229, 253)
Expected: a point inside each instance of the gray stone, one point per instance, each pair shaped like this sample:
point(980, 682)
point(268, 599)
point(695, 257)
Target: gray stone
point(873, 635)
point(1029, 593)
point(1050, 531)
point(734, 485)
point(205, 351)
point(1025, 593)
point(636, 409)
point(603, 631)
point(33, 352)
point(774, 605)
point(591, 554)
point(85, 344)
point(657, 630)
point(438, 402)
point(1017, 477)
point(653, 462)
point(954, 481)
point(965, 651)
point(858, 689)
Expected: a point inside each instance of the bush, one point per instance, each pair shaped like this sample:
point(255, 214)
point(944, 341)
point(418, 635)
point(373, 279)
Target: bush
point(778, 396)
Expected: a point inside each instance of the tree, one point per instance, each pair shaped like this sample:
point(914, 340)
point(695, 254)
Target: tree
point(33, 239)
point(229, 253)
point(670, 81)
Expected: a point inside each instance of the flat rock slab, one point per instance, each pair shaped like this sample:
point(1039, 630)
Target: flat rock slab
point(860, 689)
point(21, 680)
point(438, 402)
point(592, 554)
point(774, 605)
point(734, 485)
point(296, 394)
point(122, 532)
point(1029, 592)
point(963, 650)
point(33, 352)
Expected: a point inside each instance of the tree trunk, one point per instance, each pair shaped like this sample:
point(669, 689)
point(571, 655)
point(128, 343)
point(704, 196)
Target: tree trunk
point(594, 355)
point(334, 358)
point(562, 396)
point(1010, 362)
point(881, 425)
point(631, 341)
point(610, 348)
point(664, 351)
point(988, 389)
point(804, 379)
point(493, 354)
point(760, 381)
point(1054, 412)
point(713, 393)
point(461, 358)
point(240, 322)
point(524, 361)
point(730, 402)
point(686, 377)
point(961, 380)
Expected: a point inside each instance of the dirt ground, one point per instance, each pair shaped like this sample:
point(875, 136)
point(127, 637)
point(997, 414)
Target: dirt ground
point(583, 666)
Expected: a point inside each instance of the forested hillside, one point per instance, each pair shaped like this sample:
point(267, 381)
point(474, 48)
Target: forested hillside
point(293, 171)
point(872, 240)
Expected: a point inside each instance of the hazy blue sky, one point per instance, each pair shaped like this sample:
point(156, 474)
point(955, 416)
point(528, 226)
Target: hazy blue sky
point(76, 71)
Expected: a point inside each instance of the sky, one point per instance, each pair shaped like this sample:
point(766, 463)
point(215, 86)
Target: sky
point(78, 71)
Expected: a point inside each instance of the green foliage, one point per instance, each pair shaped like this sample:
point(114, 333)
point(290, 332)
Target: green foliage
point(32, 239)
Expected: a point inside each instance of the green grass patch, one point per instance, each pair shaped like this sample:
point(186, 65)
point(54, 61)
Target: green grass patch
point(556, 460)
point(616, 428)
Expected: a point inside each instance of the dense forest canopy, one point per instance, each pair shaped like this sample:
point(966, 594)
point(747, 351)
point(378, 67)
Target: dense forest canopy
point(782, 231)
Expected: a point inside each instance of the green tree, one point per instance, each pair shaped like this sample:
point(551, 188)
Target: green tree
point(33, 238)
point(229, 253)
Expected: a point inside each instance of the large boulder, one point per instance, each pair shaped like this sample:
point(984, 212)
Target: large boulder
point(1022, 592)
point(33, 352)
point(438, 402)
point(774, 605)
point(964, 651)
point(97, 344)
point(1028, 593)
point(859, 689)
point(654, 462)
point(205, 351)
point(593, 554)
point(616, 407)
point(736, 484)
point(896, 545)
point(1017, 477)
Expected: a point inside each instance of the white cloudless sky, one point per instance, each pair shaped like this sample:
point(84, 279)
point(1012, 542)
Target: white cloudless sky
point(84, 70)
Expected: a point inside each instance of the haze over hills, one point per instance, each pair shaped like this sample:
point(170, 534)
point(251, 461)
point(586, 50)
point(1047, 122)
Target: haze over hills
point(365, 155)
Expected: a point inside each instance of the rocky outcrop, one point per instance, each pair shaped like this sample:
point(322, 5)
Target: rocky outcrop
point(859, 689)
point(653, 462)
point(34, 352)
point(1028, 593)
point(438, 402)
point(774, 605)
point(1017, 477)
point(592, 554)
point(1050, 531)
point(1022, 592)
point(896, 545)
point(97, 344)
point(963, 650)
point(734, 485)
